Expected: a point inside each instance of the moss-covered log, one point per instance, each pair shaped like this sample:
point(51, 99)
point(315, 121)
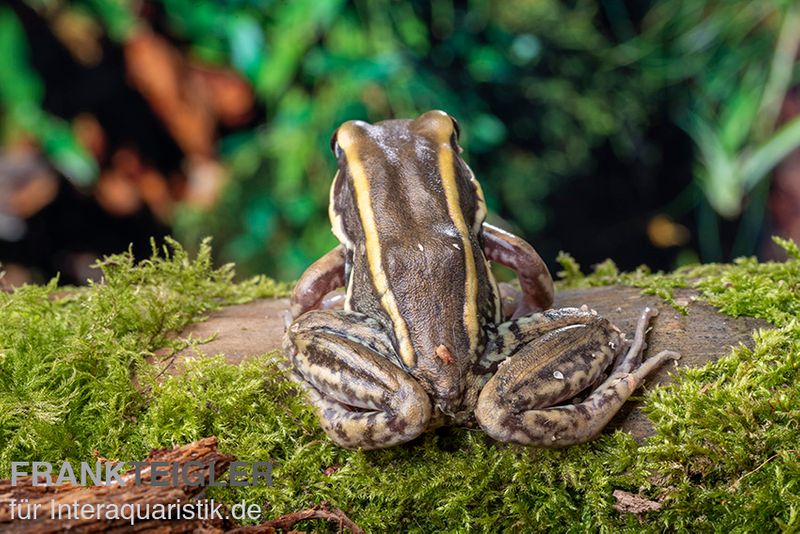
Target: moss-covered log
point(722, 456)
point(700, 333)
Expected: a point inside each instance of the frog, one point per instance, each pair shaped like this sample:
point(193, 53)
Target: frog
point(423, 335)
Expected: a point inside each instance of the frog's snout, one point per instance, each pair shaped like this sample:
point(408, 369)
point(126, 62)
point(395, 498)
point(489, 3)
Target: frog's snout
point(448, 401)
point(447, 390)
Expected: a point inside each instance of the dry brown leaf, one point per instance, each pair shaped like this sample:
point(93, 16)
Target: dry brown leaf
point(178, 97)
point(634, 503)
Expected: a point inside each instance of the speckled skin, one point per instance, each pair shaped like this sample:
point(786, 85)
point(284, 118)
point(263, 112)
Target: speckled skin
point(422, 339)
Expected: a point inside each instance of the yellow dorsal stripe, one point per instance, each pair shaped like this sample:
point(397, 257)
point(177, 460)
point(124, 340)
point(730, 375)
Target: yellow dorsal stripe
point(372, 243)
point(336, 219)
point(480, 211)
point(480, 216)
point(447, 172)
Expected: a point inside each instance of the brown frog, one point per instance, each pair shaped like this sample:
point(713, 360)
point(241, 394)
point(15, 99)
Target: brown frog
point(423, 339)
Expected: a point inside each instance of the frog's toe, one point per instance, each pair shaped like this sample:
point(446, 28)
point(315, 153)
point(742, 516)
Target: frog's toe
point(635, 349)
point(404, 417)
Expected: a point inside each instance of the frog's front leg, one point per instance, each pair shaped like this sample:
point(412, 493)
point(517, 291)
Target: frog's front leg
point(519, 403)
point(514, 252)
point(345, 362)
point(321, 277)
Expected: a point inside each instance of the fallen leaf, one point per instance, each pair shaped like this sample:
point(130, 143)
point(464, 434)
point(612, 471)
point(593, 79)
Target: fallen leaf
point(634, 503)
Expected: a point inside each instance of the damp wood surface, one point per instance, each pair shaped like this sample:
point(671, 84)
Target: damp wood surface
point(243, 331)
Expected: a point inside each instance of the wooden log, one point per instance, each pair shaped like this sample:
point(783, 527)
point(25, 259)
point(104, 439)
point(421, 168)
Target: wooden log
point(243, 331)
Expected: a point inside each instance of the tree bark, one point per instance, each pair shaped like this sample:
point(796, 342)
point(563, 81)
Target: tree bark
point(49, 498)
point(202, 453)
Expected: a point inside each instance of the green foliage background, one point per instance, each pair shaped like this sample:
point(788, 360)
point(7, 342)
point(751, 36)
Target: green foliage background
point(327, 62)
point(538, 86)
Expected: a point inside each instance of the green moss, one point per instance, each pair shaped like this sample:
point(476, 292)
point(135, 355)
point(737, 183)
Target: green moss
point(728, 442)
point(606, 273)
point(66, 363)
point(725, 453)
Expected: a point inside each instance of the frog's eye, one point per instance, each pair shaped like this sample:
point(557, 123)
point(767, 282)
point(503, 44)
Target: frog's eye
point(456, 135)
point(335, 148)
point(456, 130)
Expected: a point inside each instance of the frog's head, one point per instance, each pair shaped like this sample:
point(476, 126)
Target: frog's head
point(406, 169)
point(409, 211)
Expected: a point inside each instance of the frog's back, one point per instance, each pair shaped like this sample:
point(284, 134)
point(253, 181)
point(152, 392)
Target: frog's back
point(409, 210)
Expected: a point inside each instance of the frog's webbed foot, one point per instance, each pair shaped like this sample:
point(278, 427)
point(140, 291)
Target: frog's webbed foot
point(519, 403)
point(362, 399)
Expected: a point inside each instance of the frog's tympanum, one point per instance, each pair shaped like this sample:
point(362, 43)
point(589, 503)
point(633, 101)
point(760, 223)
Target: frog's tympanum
point(422, 338)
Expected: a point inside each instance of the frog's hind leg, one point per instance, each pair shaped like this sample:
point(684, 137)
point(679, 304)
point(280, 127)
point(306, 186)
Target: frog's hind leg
point(512, 336)
point(363, 399)
point(519, 403)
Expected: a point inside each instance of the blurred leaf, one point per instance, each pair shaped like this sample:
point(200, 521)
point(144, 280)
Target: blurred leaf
point(70, 158)
point(19, 85)
point(718, 177)
point(21, 93)
point(298, 22)
point(486, 63)
point(247, 45)
point(739, 113)
point(525, 48)
point(117, 16)
point(486, 132)
point(762, 160)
